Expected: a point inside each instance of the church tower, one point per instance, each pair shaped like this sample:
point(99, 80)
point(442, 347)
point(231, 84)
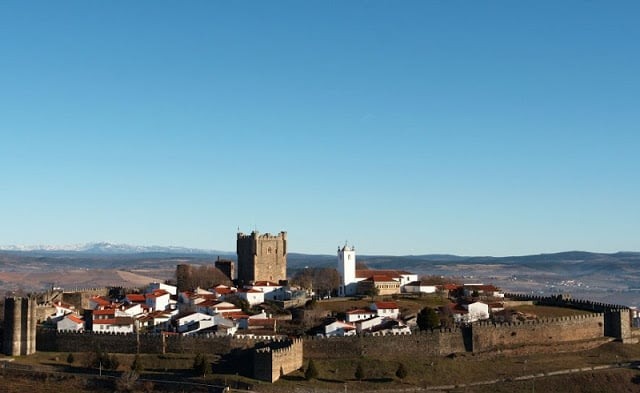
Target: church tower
point(347, 271)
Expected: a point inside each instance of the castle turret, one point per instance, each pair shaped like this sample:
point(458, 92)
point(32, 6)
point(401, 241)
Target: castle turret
point(347, 271)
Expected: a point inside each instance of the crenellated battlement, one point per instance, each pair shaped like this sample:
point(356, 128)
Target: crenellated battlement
point(541, 321)
point(265, 236)
point(277, 358)
point(565, 301)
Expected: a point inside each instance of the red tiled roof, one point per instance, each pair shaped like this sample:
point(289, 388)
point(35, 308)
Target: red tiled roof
point(223, 291)
point(136, 298)
point(386, 305)
point(360, 311)
point(261, 322)
point(157, 293)
point(108, 311)
point(381, 278)
point(75, 319)
point(64, 305)
point(100, 300)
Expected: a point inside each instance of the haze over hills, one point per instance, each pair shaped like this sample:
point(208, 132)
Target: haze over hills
point(613, 277)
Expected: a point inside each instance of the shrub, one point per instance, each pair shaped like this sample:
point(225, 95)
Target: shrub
point(359, 374)
point(401, 372)
point(201, 365)
point(311, 372)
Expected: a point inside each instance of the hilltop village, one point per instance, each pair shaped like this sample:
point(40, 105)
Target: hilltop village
point(253, 305)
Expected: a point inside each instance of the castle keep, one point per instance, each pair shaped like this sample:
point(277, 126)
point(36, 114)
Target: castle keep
point(262, 257)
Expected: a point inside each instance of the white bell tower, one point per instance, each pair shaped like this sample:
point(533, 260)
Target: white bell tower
point(347, 270)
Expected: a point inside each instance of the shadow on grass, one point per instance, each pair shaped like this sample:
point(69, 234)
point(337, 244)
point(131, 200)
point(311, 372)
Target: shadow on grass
point(378, 380)
point(331, 380)
point(292, 378)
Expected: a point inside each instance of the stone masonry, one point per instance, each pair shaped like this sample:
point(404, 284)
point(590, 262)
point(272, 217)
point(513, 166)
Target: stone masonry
point(262, 257)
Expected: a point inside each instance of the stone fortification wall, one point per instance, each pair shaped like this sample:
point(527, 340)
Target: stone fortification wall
point(563, 301)
point(80, 297)
point(489, 336)
point(277, 359)
point(416, 345)
point(19, 336)
point(52, 341)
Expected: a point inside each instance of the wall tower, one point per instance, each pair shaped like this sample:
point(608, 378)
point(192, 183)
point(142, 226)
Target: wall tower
point(19, 326)
point(261, 257)
point(347, 271)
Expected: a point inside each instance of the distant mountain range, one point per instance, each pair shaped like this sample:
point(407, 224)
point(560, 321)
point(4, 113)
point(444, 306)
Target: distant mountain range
point(107, 248)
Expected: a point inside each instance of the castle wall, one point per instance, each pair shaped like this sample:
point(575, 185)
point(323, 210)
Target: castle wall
point(420, 345)
point(489, 336)
point(277, 359)
point(79, 298)
point(53, 341)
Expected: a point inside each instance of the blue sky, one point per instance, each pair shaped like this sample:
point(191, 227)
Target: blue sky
point(476, 128)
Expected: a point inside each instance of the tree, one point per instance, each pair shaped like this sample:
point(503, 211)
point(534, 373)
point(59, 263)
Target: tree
point(127, 382)
point(311, 372)
point(427, 319)
point(238, 302)
point(137, 365)
point(401, 372)
point(372, 291)
point(189, 277)
point(102, 359)
point(201, 365)
point(70, 358)
point(359, 374)
point(323, 281)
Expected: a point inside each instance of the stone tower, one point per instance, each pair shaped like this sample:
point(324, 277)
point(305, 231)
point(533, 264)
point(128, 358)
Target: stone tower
point(261, 257)
point(19, 326)
point(347, 271)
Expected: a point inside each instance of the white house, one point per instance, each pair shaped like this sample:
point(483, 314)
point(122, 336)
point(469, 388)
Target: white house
point(70, 322)
point(131, 310)
point(272, 291)
point(154, 286)
point(97, 302)
point(359, 314)
point(369, 324)
point(212, 307)
point(339, 329)
point(477, 311)
point(157, 320)
point(114, 325)
point(158, 300)
point(386, 309)
point(193, 322)
point(252, 296)
point(416, 287)
point(61, 309)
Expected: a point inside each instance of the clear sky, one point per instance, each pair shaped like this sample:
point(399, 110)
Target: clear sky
point(475, 128)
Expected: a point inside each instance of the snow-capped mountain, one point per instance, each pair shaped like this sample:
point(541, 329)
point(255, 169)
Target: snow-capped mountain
point(107, 248)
